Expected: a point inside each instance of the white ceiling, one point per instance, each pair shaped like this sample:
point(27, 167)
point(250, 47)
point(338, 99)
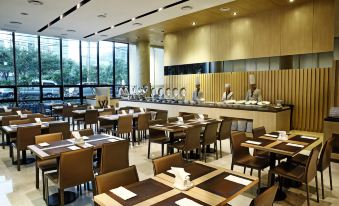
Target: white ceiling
point(85, 21)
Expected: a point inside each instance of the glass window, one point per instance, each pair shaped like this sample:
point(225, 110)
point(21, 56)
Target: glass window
point(121, 63)
point(71, 92)
point(7, 94)
point(88, 91)
point(133, 65)
point(71, 61)
point(89, 62)
point(51, 92)
point(106, 63)
point(50, 60)
point(157, 67)
point(6, 59)
point(28, 93)
point(26, 50)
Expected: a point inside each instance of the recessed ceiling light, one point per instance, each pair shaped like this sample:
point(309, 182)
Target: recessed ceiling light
point(102, 15)
point(70, 30)
point(291, 1)
point(137, 24)
point(186, 8)
point(15, 22)
point(133, 19)
point(35, 2)
point(24, 13)
point(235, 13)
point(112, 27)
point(194, 23)
point(160, 9)
point(224, 9)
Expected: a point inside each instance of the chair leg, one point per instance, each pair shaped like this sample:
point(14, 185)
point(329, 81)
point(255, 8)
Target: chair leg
point(162, 150)
point(216, 149)
point(36, 176)
point(46, 190)
point(220, 149)
point(259, 182)
point(18, 159)
point(149, 148)
point(3, 140)
point(205, 152)
point(330, 173)
point(43, 182)
point(62, 201)
point(244, 170)
point(316, 186)
point(251, 171)
point(322, 184)
point(307, 194)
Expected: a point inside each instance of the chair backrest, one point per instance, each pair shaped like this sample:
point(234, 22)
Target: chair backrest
point(91, 116)
point(47, 119)
point(266, 198)
point(75, 168)
point(125, 124)
point(86, 132)
point(48, 138)
point(192, 140)
point(155, 133)
point(161, 115)
point(111, 110)
point(162, 164)
point(225, 129)
point(123, 177)
point(33, 116)
point(26, 136)
point(26, 112)
point(238, 150)
point(62, 127)
point(210, 133)
point(20, 121)
point(67, 111)
point(172, 119)
point(311, 165)
point(325, 155)
point(143, 121)
point(258, 132)
point(188, 116)
point(336, 143)
point(6, 119)
point(114, 156)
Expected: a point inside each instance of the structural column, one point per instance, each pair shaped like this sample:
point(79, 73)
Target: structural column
point(143, 63)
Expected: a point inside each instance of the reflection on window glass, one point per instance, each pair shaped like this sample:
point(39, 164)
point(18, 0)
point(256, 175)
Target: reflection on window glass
point(106, 62)
point(121, 66)
point(51, 92)
point(28, 93)
point(89, 62)
point(71, 92)
point(70, 61)
point(26, 50)
point(6, 59)
point(6, 93)
point(72, 101)
point(50, 59)
point(88, 91)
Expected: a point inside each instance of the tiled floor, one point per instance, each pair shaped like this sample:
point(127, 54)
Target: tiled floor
point(18, 188)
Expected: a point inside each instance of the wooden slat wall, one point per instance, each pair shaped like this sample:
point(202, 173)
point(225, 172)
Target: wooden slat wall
point(307, 89)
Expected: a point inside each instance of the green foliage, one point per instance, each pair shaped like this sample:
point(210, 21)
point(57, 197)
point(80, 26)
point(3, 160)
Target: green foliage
point(6, 70)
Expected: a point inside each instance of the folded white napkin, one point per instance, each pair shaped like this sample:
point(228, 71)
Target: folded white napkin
point(112, 140)
point(123, 193)
point(295, 145)
point(253, 142)
point(307, 137)
point(43, 144)
point(76, 134)
point(158, 125)
point(73, 147)
point(85, 137)
point(238, 180)
point(183, 126)
point(271, 135)
point(86, 145)
point(187, 202)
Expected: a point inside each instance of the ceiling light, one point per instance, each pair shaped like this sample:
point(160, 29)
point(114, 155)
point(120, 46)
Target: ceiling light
point(160, 9)
point(78, 5)
point(70, 30)
point(103, 35)
point(194, 23)
point(112, 27)
point(61, 16)
point(35, 2)
point(186, 8)
point(235, 13)
point(102, 15)
point(15, 22)
point(133, 19)
point(24, 13)
point(291, 1)
point(137, 24)
point(224, 9)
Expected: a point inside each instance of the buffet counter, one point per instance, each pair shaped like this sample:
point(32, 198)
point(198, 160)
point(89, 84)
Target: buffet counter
point(272, 118)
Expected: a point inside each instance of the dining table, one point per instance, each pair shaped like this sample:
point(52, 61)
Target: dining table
point(289, 146)
point(212, 185)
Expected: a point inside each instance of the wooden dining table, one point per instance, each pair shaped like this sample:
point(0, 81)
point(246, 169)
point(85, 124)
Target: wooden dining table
point(12, 129)
point(210, 188)
point(293, 145)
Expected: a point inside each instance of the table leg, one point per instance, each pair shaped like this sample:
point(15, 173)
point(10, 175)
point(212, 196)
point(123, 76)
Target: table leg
point(25, 160)
point(281, 195)
point(171, 136)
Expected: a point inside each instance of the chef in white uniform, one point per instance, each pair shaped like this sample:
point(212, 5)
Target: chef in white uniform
point(197, 94)
point(228, 94)
point(253, 93)
point(123, 91)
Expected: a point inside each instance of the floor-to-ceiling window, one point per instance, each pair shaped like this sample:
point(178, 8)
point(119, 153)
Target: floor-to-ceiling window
point(121, 65)
point(157, 67)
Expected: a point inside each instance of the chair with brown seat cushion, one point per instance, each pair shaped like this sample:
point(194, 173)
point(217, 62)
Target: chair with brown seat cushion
point(156, 136)
point(63, 127)
point(324, 161)
point(162, 164)
point(123, 177)
point(124, 128)
point(176, 135)
point(142, 125)
point(114, 156)
point(188, 117)
point(5, 122)
point(33, 116)
point(25, 136)
point(191, 141)
point(47, 119)
point(91, 117)
point(225, 131)
point(45, 165)
point(258, 132)
point(20, 121)
point(241, 156)
point(304, 174)
point(210, 137)
point(26, 112)
point(75, 168)
point(162, 115)
point(266, 198)
point(67, 113)
point(86, 132)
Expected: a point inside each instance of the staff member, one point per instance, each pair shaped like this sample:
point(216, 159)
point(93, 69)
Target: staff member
point(228, 95)
point(253, 93)
point(197, 94)
point(123, 91)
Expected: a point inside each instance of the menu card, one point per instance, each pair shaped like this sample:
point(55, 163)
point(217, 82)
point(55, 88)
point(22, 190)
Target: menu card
point(123, 193)
point(187, 202)
point(238, 180)
point(295, 145)
point(253, 142)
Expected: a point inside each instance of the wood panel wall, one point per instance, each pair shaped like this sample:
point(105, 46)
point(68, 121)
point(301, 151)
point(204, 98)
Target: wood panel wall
point(294, 29)
point(307, 89)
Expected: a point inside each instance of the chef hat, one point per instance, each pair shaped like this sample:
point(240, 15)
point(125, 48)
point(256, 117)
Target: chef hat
point(227, 85)
point(123, 83)
point(251, 79)
point(197, 81)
